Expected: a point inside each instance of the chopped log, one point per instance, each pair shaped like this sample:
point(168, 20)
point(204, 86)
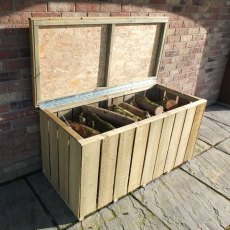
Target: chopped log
point(132, 109)
point(122, 111)
point(109, 116)
point(83, 130)
point(99, 124)
point(169, 104)
point(148, 105)
point(82, 120)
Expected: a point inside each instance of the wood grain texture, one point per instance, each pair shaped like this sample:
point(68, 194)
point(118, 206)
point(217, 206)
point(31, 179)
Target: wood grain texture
point(54, 162)
point(163, 145)
point(132, 64)
point(63, 149)
point(75, 162)
point(44, 132)
point(182, 202)
point(139, 150)
point(67, 60)
point(107, 169)
point(151, 151)
point(89, 177)
point(123, 163)
point(212, 167)
point(194, 131)
point(175, 140)
point(185, 135)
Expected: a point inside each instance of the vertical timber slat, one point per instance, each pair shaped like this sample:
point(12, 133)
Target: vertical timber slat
point(75, 175)
point(63, 147)
point(175, 140)
point(53, 134)
point(138, 157)
point(163, 145)
point(151, 151)
point(185, 135)
point(107, 169)
point(89, 177)
point(44, 129)
point(123, 163)
point(194, 131)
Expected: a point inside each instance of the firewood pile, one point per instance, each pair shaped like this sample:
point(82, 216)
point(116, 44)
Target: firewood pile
point(96, 120)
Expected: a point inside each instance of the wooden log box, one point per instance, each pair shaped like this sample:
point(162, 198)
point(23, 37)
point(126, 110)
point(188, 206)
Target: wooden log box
point(86, 63)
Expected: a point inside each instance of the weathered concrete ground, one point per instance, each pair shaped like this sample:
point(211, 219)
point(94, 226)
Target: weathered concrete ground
point(193, 196)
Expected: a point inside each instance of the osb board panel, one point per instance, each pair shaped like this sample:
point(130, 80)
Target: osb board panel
point(134, 52)
point(72, 59)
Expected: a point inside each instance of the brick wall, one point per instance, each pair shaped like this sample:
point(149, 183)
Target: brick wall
point(195, 54)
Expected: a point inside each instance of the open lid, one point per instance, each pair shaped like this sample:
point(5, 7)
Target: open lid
point(71, 56)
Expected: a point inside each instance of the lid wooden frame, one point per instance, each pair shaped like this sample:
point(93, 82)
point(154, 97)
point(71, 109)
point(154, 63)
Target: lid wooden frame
point(37, 23)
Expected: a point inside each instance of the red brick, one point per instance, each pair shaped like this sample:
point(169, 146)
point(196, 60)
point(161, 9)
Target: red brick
point(74, 14)
point(188, 24)
point(16, 64)
point(8, 54)
point(171, 53)
point(181, 31)
point(130, 8)
point(4, 109)
point(197, 37)
point(149, 8)
point(15, 18)
point(173, 39)
point(110, 7)
point(61, 6)
point(186, 38)
point(6, 5)
point(88, 6)
point(175, 24)
point(135, 14)
point(46, 14)
point(30, 6)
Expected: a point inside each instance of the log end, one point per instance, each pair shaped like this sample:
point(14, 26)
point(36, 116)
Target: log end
point(159, 110)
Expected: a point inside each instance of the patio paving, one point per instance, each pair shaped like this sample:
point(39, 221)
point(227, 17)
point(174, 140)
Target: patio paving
point(196, 195)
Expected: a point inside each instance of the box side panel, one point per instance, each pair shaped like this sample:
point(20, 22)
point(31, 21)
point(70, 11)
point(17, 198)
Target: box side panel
point(53, 136)
point(89, 177)
point(75, 159)
point(151, 151)
point(175, 140)
point(123, 163)
point(107, 169)
point(163, 145)
point(44, 129)
point(185, 135)
point(194, 131)
point(63, 149)
point(138, 156)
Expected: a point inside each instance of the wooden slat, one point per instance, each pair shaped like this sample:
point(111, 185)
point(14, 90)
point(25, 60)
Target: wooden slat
point(163, 145)
point(181, 95)
point(175, 140)
point(63, 148)
point(75, 175)
point(129, 98)
point(185, 135)
point(117, 100)
point(68, 114)
point(44, 131)
point(107, 169)
point(53, 134)
point(194, 131)
point(109, 53)
point(138, 157)
point(89, 177)
point(151, 151)
point(123, 163)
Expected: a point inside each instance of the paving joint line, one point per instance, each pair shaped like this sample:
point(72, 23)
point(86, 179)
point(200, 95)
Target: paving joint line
point(131, 194)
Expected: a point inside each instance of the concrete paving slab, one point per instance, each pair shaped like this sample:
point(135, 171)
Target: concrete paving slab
point(224, 146)
point(51, 200)
point(20, 209)
point(183, 202)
